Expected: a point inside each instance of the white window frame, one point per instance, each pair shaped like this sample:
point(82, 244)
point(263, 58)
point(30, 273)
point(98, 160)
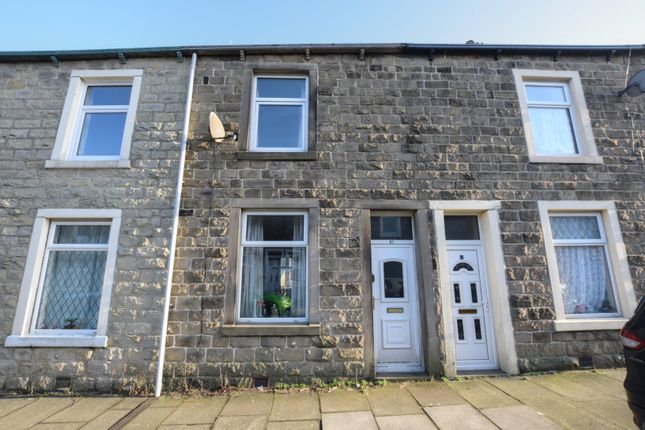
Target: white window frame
point(611, 238)
point(256, 102)
point(70, 127)
point(23, 333)
point(584, 142)
point(269, 244)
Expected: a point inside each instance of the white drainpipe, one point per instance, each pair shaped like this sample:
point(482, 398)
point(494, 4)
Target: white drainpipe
point(175, 223)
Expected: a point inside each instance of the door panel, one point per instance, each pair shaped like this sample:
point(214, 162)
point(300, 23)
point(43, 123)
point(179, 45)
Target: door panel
point(474, 346)
point(395, 309)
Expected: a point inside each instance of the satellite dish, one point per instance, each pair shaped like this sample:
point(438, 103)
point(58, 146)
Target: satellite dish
point(635, 85)
point(216, 127)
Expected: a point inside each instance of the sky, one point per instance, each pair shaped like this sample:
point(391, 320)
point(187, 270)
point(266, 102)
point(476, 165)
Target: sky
point(36, 25)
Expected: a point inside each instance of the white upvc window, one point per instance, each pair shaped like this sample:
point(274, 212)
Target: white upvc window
point(273, 284)
point(279, 113)
point(589, 276)
point(98, 119)
point(555, 117)
point(66, 288)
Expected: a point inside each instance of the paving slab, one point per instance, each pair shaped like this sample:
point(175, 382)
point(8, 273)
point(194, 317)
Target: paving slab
point(257, 422)
point(294, 425)
point(106, 420)
point(197, 411)
point(405, 422)
point(83, 410)
point(394, 400)
point(295, 406)
point(555, 407)
point(34, 413)
point(248, 403)
point(567, 388)
point(458, 417)
point(599, 382)
point(616, 374)
point(362, 420)
point(57, 426)
point(129, 403)
point(186, 427)
point(343, 400)
point(435, 394)
point(165, 402)
point(481, 394)
point(149, 419)
point(508, 418)
point(612, 409)
point(9, 405)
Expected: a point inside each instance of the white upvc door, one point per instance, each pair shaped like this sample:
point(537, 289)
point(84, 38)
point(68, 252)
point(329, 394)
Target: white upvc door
point(396, 309)
point(474, 338)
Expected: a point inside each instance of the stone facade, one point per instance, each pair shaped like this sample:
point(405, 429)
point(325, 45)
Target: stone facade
point(397, 128)
point(31, 100)
point(391, 127)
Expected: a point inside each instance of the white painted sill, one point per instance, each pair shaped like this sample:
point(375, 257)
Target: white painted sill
point(56, 341)
point(577, 159)
point(590, 324)
point(87, 164)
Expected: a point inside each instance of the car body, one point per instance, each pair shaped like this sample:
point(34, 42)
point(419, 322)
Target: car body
point(633, 339)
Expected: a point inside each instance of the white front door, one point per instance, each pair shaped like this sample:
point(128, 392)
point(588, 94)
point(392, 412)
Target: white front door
point(474, 343)
point(396, 309)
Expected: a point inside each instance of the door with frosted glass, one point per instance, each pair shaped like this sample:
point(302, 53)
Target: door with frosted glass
point(395, 304)
point(474, 346)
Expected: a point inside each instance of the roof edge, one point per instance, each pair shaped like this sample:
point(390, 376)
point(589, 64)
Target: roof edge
point(367, 48)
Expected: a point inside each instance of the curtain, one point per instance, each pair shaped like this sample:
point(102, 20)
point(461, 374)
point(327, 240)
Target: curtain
point(252, 265)
point(71, 293)
point(299, 282)
point(584, 280)
point(552, 131)
point(299, 274)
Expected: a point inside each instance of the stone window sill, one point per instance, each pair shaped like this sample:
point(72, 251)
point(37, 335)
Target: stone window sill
point(271, 330)
point(87, 164)
point(578, 159)
point(56, 341)
point(271, 156)
point(589, 324)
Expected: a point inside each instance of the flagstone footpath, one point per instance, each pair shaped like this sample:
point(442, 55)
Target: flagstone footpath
point(569, 400)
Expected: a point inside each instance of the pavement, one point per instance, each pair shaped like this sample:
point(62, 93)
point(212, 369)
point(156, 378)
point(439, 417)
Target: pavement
point(568, 400)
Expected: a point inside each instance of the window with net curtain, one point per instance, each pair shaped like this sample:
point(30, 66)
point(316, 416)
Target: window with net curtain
point(274, 268)
point(72, 277)
point(586, 279)
point(552, 118)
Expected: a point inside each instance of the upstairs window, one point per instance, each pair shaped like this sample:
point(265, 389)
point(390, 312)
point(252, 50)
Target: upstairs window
point(98, 119)
point(551, 118)
point(555, 117)
point(279, 117)
point(101, 121)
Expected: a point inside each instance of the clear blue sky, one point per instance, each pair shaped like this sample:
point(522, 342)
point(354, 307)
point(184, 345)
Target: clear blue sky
point(87, 24)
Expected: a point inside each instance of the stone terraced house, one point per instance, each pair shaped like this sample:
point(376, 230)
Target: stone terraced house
point(371, 210)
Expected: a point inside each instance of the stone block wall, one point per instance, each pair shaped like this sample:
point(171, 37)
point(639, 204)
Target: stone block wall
point(397, 127)
point(31, 100)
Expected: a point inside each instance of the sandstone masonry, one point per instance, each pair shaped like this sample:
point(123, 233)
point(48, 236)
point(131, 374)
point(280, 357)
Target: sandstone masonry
point(398, 128)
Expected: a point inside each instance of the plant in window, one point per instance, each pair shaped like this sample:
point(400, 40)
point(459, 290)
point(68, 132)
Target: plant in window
point(274, 267)
point(282, 302)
